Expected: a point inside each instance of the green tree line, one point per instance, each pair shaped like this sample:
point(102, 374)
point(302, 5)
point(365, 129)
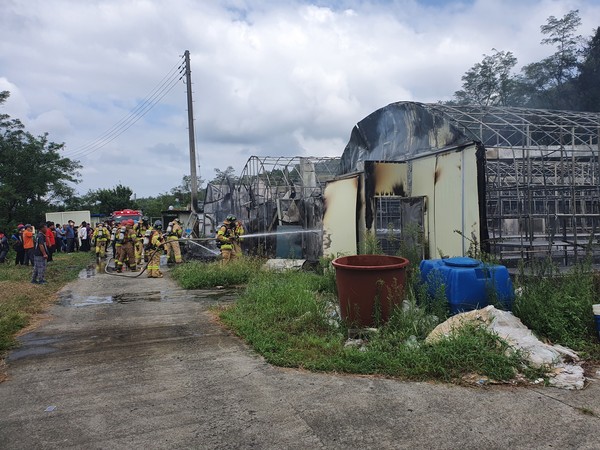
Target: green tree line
point(568, 79)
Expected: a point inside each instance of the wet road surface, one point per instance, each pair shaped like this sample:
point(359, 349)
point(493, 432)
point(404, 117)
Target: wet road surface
point(140, 363)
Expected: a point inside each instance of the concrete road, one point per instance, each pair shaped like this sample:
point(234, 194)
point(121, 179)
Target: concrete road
point(139, 363)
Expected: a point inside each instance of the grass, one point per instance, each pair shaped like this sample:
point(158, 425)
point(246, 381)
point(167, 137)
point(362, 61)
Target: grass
point(21, 301)
point(202, 275)
point(285, 317)
point(288, 318)
point(558, 306)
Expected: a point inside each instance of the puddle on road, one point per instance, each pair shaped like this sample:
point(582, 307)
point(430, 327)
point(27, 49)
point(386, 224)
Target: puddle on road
point(152, 296)
point(29, 351)
point(228, 295)
point(168, 295)
point(69, 299)
point(33, 344)
point(88, 272)
point(33, 339)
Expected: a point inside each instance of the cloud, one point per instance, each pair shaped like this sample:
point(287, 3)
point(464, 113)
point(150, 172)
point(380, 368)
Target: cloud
point(51, 120)
point(16, 105)
point(269, 78)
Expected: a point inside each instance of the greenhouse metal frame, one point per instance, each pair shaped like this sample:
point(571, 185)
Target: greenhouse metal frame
point(280, 201)
point(543, 179)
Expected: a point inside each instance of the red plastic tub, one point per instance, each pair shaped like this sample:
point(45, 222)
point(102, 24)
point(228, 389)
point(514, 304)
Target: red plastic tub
point(364, 281)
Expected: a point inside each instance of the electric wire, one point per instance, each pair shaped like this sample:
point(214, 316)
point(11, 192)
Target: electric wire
point(132, 122)
point(125, 125)
point(176, 69)
point(167, 83)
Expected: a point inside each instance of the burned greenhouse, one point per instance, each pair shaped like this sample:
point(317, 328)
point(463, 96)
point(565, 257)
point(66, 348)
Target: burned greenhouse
point(522, 183)
point(279, 200)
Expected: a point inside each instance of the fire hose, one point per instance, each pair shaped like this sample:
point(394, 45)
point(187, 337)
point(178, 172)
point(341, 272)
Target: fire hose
point(132, 276)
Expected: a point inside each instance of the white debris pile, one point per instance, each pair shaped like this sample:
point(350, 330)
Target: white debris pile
point(564, 369)
point(282, 265)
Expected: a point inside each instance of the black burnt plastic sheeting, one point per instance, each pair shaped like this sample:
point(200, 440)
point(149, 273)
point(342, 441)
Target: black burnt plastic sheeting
point(396, 132)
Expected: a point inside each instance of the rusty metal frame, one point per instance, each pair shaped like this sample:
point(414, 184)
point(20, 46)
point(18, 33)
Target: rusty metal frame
point(266, 189)
point(543, 174)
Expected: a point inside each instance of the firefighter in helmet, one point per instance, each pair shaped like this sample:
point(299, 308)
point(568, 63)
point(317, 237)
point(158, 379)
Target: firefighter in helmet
point(126, 237)
point(173, 234)
point(229, 237)
point(140, 229)
point(153, 241)
point(99, 238)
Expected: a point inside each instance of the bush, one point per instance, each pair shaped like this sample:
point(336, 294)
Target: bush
point(558, 307)
point(203, 275)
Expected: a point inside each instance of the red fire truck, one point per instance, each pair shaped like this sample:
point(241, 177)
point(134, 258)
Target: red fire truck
point(126, 214)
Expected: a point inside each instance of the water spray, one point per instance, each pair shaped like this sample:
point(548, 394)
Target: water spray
point(277, 233)
point(202, 246)
point(196, 241)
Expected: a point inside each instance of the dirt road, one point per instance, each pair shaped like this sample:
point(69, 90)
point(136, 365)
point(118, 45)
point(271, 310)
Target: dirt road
point(139, 363)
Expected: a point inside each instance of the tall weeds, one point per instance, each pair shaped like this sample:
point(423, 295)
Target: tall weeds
point(558, 307)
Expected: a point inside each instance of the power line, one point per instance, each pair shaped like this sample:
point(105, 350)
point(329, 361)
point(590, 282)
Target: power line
point(126, 125)
point(168, 82)
point(126, 122)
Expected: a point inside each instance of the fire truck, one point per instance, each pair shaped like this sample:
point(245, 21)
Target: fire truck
point(126, 214)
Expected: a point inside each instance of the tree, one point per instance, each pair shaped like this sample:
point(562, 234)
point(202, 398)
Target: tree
point(225, 176)
point(153, 206)
point(588, 81)
point(32, 173)
point(183, 192)
point(105, 201)
point(550, 81)
point(489, 82)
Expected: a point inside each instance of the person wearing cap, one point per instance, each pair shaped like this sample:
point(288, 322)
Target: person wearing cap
point(28, 244)
point(228, 238)
point(174, 233)
point(40, 255)
point(17, 244)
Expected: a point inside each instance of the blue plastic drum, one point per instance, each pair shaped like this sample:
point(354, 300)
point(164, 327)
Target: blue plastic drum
point(468, 283)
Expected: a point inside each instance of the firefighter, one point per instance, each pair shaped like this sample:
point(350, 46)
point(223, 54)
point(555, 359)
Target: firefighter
point(229, 237)
point(140, 229)
point(113, 239)
point(125, 237)
point(153, 240)
point(173, 233)
point(99, 239)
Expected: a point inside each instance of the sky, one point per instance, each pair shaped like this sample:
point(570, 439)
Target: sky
point(269, 77)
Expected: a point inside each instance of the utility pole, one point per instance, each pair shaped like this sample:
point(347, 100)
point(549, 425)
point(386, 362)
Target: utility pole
point(194, 177)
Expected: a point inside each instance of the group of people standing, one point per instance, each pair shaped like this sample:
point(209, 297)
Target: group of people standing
point(131, 242)
point(67, 238)
point(35, 246)
point(32, 247)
